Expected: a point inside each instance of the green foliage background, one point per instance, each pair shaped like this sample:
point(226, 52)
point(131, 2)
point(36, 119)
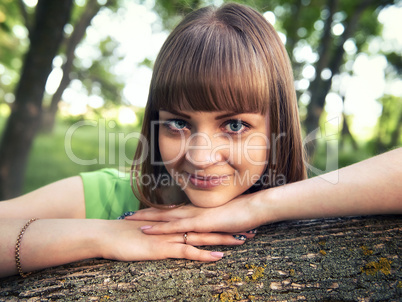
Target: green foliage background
point(49, 161)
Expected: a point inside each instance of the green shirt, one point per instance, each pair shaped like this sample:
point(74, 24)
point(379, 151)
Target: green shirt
point(108, 194)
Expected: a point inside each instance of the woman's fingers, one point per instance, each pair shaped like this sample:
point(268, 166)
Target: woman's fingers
point(145, 215)
point(190, 252)
point(186, 225)
point(175, 226)
point(197, 239)
point(184, 246)
point(183, 212)
point(153, 214)
point(226, 218)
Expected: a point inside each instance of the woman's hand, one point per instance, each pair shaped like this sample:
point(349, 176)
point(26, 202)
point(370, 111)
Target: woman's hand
point(237, 216)
point(350, 191)
point(123, 240)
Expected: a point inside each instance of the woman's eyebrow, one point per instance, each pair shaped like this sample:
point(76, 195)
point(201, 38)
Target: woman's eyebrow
point(222, 116)
point(226, 115)
point(172, 111)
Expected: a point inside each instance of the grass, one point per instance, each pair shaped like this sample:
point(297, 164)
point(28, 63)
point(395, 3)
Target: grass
point(338, 156)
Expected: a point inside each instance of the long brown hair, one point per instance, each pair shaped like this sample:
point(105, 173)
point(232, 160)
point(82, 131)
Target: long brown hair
point(223, 59)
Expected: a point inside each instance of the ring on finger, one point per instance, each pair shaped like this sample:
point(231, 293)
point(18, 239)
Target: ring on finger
point(185, 237)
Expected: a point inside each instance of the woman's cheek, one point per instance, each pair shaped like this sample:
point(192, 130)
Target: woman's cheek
point(170, 149)
point(255, 152)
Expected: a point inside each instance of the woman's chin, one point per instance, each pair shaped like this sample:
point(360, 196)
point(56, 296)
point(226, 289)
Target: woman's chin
point(208, 199)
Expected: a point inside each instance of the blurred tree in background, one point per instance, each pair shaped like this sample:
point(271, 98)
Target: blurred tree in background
point(323, 38)
point(45, 37)
point(97, 75)
point(52, 33)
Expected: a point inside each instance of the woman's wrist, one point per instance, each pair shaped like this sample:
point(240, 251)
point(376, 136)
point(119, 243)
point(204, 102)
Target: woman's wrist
point(113, 237)
point(99, 237)
point(266, 204)
point(66, 240)
point(281, 203)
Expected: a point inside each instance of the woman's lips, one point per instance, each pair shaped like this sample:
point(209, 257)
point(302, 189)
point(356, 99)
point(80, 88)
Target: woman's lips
point(206, 182)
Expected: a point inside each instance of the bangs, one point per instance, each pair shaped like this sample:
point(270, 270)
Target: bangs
point(210, 67)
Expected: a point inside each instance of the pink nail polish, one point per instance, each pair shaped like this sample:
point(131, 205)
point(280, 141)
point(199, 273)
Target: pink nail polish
point(217, 254)
point(146, 227)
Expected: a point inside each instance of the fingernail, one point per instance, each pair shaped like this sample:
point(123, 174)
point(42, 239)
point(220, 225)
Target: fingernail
point(217, 254)
point(240, 237)
point(146, 227)
point(126, 214)
point(253, 231)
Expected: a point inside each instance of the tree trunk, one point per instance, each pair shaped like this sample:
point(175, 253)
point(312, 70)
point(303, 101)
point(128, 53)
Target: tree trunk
point(319, 87)
point(340, 259)
point(49, 114)
point(316, 105)
point(24, 120)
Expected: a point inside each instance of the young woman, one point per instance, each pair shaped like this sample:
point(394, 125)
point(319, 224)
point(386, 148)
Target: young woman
point(222, 137)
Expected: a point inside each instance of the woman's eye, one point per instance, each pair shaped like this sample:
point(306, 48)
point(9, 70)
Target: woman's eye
point(175, 124)
point(179, 124)
point(235, 126)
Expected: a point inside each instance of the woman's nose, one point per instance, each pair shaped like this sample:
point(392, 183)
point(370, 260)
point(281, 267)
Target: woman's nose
point(203, 150)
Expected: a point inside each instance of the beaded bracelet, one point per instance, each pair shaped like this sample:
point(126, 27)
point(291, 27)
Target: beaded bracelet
point(17, 248)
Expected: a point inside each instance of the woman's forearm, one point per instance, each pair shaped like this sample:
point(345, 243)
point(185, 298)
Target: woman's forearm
point(48, 242)
point(373, 186)
point(52, 242)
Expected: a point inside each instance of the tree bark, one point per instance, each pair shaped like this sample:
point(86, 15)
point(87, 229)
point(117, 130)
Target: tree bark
point(340, 259)
point(24, 120)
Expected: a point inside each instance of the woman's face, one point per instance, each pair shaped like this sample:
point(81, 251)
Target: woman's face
point(213, 156)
